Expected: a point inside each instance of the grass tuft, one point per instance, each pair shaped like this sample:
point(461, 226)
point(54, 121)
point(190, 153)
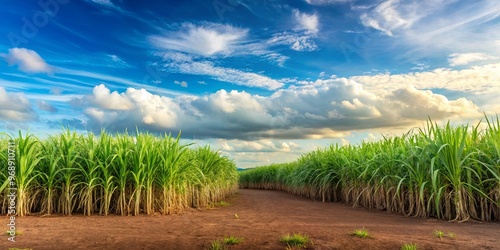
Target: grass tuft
point(217, 245)
point(438, 233)
point(361, 233)
point(409, 246)
point(232, 240)
point(295, 240)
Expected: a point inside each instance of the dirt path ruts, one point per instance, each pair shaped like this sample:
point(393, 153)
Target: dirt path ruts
point(264, 216)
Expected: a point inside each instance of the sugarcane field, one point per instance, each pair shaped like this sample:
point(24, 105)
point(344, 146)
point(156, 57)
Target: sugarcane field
point(256, 125)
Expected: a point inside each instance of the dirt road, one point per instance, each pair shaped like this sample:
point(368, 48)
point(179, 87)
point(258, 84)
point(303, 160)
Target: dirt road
point(263, 217)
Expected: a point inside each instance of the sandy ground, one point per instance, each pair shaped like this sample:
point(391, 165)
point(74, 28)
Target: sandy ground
point(263, 217)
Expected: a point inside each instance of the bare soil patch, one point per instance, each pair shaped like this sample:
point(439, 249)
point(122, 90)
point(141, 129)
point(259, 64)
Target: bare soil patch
point(263, 217)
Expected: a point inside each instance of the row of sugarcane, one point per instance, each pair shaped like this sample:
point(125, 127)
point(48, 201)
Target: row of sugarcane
point(448, 172)
point(111, 173)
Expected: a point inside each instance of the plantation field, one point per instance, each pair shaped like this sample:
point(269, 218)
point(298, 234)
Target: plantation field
point(446, 172)
point(81, 191)
point(110, 174)
point(263, 218)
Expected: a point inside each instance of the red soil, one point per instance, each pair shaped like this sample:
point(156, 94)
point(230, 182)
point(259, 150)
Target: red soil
point(264, 216)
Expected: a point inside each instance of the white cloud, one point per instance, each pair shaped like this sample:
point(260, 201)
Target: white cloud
point(326, 2)
point(359, 109)
point(208, 40)
point(108, 4)
point(296, 42)
point(28, 60)
point(325, 108)
point(154, 109)
point(390, 15)
point(277, 58)
point(476, 80)
point(230, 102)
point(457, 59)
point(103, 98)
point(104, 2)
point(426, 27)
point(415, 102)
point(183, 84)
point(230, 75)
point(344, 142)
point(43, 105)
point(176, 57)
point(307, 22)
point(117, 62)
point(15, 107)
point(261, 145)
point(129, 109)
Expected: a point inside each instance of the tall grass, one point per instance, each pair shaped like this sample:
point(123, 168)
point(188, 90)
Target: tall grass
point(122, 173)
point(448, 172)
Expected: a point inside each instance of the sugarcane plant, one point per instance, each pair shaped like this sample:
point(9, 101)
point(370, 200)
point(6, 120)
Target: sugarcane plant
point(448, 172)
point(113, 173)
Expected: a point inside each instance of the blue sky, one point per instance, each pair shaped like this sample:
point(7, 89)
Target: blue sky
point(264, 81)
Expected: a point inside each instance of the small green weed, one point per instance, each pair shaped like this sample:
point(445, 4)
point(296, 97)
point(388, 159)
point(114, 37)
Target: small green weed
point(438, 234)
point(410, 246)
point(232, 240)
point(295, 240)
point(361, 233)
point(217, 245)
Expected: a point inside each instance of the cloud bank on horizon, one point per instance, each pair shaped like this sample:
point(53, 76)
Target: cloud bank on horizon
point(264, 81)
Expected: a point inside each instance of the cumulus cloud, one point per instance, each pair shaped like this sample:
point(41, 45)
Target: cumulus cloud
point(476, 80)
point(120, 111)
point(262, 145)
point(103, 98)
point(15, 107)
point(232, 101)
point(413, 103)
point(457, 59)
point(207, 40)
point(43, 105)
point(27, 60)
point(328, 108)
point(253, 159)
point(307, 22)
